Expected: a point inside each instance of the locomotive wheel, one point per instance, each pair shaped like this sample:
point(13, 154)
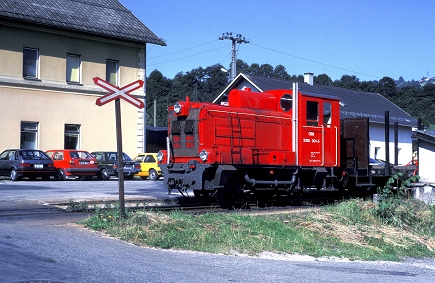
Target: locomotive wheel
point(203, 196)
point(226, 199)
point(262, 198)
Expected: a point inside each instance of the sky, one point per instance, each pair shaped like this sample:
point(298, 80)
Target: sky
point(368, 39)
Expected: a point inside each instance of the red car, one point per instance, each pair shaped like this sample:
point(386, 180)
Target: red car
point(73, 163)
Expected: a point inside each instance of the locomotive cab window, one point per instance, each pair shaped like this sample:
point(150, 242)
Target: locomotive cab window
point(327, 114)
point(312, 113)
point(286, 102)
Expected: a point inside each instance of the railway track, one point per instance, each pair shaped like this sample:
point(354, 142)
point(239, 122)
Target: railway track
point(187, 205)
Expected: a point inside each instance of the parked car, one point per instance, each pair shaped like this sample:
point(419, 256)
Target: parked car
point(149, 166)
point(108, 165)
point(73, 163)
point(30, 163)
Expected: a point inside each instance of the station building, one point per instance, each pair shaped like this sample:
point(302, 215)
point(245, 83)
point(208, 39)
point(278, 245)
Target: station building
point(50, 51)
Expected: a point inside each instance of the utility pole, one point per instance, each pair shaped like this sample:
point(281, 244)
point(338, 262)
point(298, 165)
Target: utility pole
point(238, 38)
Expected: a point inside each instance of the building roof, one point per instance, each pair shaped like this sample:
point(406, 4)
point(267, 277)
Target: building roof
point(426, 135)
point(353, 103)
point(105, 18)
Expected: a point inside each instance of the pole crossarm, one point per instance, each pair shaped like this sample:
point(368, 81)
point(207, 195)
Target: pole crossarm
point(237, 39)
point(116, 92)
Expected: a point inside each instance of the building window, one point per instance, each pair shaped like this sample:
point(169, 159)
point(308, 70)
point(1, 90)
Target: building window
point(72, 136)
point(30, 63)
point(112, 72)
point(72, 68)
point(29, 135)
point(377, 149)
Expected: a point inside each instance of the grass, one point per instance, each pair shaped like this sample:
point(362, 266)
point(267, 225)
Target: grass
point(352, 229)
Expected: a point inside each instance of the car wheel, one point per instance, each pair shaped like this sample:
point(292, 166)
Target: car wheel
point(153, 175)
point(14, 175)
point(61, 176)
point(103, 174)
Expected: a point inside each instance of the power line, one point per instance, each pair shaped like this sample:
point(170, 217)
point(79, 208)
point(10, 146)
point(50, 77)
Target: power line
point(183, 50)
point(239, 39)
point(312, 61)
point(187, 56)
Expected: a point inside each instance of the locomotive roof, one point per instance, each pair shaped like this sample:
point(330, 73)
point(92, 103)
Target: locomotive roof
point(104, 18)
point(352, 103)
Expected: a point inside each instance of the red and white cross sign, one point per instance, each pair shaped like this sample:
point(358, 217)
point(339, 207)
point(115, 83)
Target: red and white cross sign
point(116, 92)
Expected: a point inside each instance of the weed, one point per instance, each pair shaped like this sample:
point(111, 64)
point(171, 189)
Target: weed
point(77, 206)
point(396, 227)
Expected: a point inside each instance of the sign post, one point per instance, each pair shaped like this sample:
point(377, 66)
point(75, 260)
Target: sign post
point(116, 94)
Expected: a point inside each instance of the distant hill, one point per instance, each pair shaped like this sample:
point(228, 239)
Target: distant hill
point(423, 81)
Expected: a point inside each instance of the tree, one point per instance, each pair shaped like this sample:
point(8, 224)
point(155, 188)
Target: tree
point(242, 67)
point(387, 87)
point(205, 84)
point(280, 73)
point(214, 84)
point(158, 88)
point(266, 70)
point(369, 86)
point(348, 82)
point(254, 69)
point(322, 79)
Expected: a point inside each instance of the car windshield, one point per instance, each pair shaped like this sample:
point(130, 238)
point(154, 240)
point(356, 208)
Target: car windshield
point(33, 154)
point(125, 157)
point(114, 156)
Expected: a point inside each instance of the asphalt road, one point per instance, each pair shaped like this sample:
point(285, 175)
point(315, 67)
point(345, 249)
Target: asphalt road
point(42, 243)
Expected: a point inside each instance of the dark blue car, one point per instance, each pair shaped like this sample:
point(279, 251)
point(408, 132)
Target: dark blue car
point(30, 163)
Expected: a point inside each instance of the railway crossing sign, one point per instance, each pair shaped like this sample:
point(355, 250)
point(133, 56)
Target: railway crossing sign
point(116, 92)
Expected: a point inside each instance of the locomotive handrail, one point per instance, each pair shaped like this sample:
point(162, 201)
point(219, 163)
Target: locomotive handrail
point(168, 150)
point(323, 145)
point(336, 145)
point(249, 114)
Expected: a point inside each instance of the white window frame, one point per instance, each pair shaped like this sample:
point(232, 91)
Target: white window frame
point(30, 63)
point(109, 75)
point(73, 69)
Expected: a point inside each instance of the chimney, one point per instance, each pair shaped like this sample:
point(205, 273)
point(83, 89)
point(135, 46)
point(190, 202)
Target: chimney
point(308, 78)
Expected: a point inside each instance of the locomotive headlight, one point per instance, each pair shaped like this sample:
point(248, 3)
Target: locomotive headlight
point(177, 108)
point(203, 155)
point(160, 156)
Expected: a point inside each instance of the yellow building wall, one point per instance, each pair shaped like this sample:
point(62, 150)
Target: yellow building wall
point(52, 102)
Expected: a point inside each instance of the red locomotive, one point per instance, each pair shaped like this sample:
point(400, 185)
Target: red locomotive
point(266, 144)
